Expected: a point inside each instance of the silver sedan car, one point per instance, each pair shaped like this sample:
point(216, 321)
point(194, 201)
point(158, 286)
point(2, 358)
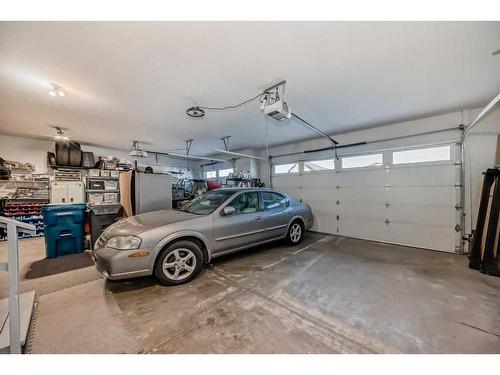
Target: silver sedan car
point(174, 244)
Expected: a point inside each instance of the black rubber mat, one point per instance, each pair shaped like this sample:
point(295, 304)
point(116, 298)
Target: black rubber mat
point(65, 263)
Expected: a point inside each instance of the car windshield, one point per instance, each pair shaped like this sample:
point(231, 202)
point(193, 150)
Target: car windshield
point(206, 204)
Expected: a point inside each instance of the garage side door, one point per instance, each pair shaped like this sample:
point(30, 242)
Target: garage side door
point(408, 204)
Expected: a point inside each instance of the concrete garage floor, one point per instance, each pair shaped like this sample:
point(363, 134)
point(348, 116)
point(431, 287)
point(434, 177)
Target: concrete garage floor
point(328, 295)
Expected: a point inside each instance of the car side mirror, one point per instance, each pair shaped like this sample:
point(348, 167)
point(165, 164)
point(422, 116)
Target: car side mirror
point(228, 210)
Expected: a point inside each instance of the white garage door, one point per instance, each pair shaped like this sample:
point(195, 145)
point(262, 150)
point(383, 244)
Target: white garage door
point(398, 201)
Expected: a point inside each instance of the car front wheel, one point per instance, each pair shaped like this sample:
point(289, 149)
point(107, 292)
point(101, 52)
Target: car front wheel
point(179, 263)
point(295, 233)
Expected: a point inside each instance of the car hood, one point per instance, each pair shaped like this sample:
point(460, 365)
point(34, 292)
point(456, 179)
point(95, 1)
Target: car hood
point(139, 223)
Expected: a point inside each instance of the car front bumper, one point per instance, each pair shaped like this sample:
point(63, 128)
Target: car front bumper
point(117, 264)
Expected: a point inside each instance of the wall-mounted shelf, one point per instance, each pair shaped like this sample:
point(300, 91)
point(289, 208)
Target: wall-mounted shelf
point(101, 191)
point(101, 178)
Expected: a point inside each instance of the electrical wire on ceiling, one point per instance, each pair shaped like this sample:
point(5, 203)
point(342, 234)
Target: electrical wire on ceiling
point(234, 106)
point(199, 110)
point(268, 97)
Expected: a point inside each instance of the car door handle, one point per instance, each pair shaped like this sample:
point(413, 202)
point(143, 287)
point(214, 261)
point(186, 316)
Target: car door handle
point(258, 218)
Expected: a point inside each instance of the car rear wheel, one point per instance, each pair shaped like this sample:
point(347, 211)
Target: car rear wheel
point(295, 233)
point(179, 263)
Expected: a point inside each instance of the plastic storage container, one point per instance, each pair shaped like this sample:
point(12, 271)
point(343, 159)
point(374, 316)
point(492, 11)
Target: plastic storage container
point(63, 226)
point(101, 217)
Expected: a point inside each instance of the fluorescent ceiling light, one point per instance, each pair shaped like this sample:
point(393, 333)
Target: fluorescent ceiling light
point(239, 154)
point(194, 157)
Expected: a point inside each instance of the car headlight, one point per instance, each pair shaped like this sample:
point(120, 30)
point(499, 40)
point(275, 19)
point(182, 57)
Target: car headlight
point(124, 243)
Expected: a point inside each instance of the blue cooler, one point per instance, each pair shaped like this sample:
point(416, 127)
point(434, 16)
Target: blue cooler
point(63, 224)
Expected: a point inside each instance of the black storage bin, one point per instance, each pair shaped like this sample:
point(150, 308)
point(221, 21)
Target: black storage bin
point(96, 184)
point(101, 217)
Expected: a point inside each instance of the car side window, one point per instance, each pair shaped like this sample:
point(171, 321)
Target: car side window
point(246, 203)
point(273, 200)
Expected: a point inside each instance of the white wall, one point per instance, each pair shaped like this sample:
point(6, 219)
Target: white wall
point(480, 146)
point(26, 150)
point(35, 151)
point(242, 164)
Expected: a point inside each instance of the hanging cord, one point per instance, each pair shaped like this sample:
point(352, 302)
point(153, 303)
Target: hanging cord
point(267, 137)
point(259, 95)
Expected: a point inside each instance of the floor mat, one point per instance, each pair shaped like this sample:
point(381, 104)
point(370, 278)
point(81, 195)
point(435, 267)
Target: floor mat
point(47, 267)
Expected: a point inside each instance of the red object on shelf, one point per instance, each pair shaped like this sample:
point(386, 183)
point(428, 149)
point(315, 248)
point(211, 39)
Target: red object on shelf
point(212, 185)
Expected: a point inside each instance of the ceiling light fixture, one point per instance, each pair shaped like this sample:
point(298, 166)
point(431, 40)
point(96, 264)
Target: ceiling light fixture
point(56, 90)
point(60, 134)
point(195, 112)
point(136, 151)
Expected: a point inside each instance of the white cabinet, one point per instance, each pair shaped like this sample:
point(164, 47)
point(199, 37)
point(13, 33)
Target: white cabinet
point(67, 192)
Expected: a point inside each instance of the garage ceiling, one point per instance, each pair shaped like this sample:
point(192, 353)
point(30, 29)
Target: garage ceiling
point(134, 80)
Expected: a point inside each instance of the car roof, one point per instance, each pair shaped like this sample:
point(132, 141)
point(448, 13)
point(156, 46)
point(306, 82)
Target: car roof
point(238, 189)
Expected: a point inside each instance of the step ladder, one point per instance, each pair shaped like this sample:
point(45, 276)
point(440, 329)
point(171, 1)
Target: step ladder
point(484, 259)
point(15, 312)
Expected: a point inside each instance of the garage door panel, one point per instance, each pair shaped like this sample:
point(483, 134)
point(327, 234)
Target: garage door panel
point(430, 215)
point(323, 208)
point(426, 195)
point(369, 177)
point(365, 229)
point(425, 236)
point(423, 176)
point(372, 211)
point(319, 195)
point(324, 180)
point(364, 194)
point(294, 192)
point(325, 224)
point(412, 204)
point(286, 181)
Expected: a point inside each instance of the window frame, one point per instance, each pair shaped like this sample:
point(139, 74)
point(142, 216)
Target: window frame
point(321, 170)
point(297, 163)
point(231, 170)
point(427, 162)
point(381, 165)
point(207, 172)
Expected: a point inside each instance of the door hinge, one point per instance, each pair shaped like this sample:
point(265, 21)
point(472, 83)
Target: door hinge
point(387, 222)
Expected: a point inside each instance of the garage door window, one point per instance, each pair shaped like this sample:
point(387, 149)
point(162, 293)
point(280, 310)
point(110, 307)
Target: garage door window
point(422, 155)
point(211, 174)
point(319, 165)
point(373, 160)
point(225, 172)
point(274, 200)
point(286, 168)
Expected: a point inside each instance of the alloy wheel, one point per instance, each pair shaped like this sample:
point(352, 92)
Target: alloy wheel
point(295, 232)
point(179, 264)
